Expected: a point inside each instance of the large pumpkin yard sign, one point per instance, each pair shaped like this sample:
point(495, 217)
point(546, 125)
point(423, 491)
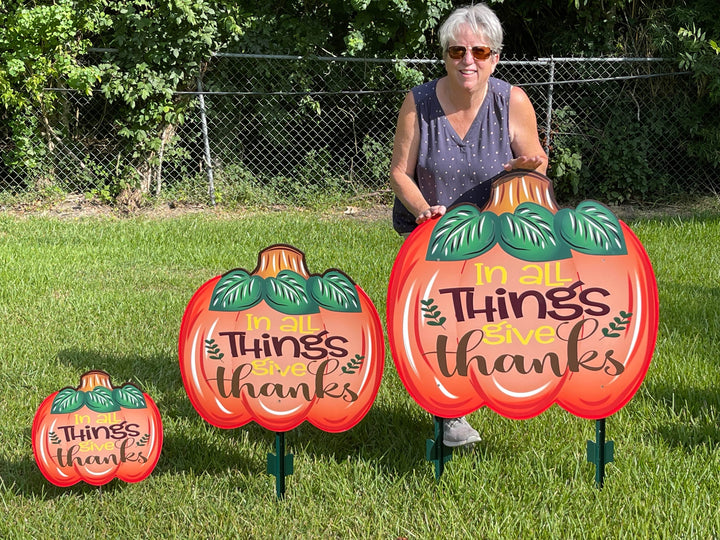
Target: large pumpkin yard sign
point(520, 305)
point(279, 346)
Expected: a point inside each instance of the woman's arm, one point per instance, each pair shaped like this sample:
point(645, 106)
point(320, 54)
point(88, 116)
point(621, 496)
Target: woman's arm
point(524, 141)
point(404, 160)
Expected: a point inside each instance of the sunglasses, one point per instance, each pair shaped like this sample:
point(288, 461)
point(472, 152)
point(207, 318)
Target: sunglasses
point(456, 52)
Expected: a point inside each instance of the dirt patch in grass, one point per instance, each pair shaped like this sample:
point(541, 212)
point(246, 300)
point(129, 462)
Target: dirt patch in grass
point(79, 206)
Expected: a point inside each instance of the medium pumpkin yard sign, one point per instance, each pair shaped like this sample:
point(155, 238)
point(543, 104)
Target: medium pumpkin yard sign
point(520, 305)
point(280, 346)
point(97, 432)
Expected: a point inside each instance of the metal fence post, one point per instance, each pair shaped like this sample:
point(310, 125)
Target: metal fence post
point(206, 143)
point(548, 116)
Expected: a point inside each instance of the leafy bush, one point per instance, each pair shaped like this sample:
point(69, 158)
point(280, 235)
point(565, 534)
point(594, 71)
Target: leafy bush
point(565, 156)
point(377, 154)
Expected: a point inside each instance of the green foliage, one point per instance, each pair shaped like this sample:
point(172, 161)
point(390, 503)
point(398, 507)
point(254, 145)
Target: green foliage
point(565, 169)
point(530, 233)
point(565, 155)
point(407, 76)
point(620, 155)
point(704, 132)
point(363, 28)
point(40, 46)
point(556, 27)
point(688, 31)
point(378, 155)
point(314, 185)
point(161, 48)
point(406, 27)
point(618, 325)
point(702, 56)
point(613, 157)
point(699, 52)
point(235, 185)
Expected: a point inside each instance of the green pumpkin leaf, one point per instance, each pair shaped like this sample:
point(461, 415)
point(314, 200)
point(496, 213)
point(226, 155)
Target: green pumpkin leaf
point(100, 399)
point(67, 400)
point(334, 291)
point(129, 396)
point(528, 234)
point(464, 232)
point(592, 229)
point(236, 291)
point(287, 293)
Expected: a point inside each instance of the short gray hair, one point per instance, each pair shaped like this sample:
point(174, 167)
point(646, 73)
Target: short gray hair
point(480, 18)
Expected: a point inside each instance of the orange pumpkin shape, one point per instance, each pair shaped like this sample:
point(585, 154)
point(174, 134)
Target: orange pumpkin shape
point(97, 432)
point(280, 346)
point(521, 305)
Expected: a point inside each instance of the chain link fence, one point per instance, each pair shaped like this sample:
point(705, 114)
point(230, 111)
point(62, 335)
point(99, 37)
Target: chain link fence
point(278, 130)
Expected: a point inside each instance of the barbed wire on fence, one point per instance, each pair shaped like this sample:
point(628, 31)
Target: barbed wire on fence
point(292, 130)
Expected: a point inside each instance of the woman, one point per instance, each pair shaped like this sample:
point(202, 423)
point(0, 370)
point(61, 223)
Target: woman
point(456, 133)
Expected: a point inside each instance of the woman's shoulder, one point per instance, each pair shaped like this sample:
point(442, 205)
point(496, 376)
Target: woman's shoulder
point(424, 91)
point(498, 86)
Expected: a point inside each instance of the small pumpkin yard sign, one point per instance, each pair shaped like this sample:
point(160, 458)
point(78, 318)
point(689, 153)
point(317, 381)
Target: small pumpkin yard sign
point(279, 346)
point(520, 305)
point(97, 432)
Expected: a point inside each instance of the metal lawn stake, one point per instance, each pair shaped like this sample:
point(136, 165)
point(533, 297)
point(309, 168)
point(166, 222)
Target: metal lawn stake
point(436, 451)
point(600, 452)
point(279, 464)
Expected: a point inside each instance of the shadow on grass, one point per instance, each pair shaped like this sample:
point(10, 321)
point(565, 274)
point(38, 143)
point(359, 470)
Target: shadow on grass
point(692, 415)
point(392, 437)
point(691, 310)
point(25, 479)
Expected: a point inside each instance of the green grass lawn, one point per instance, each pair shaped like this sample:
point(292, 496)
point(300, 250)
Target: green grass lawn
point(106, 293)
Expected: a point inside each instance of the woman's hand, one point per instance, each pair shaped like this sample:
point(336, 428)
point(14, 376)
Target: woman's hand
point(430, 213)
point(524, 162)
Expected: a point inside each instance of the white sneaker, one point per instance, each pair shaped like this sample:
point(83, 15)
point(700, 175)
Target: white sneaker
point(457, 432)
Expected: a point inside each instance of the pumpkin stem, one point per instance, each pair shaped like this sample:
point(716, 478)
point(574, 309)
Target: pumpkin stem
point(93, 379)
point(274, 259)
point(516, 187)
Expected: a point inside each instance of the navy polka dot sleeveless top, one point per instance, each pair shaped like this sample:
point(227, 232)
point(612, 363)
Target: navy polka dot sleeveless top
point(453, 170)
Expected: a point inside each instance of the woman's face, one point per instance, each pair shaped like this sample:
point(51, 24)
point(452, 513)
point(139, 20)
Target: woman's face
point(467, 72)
